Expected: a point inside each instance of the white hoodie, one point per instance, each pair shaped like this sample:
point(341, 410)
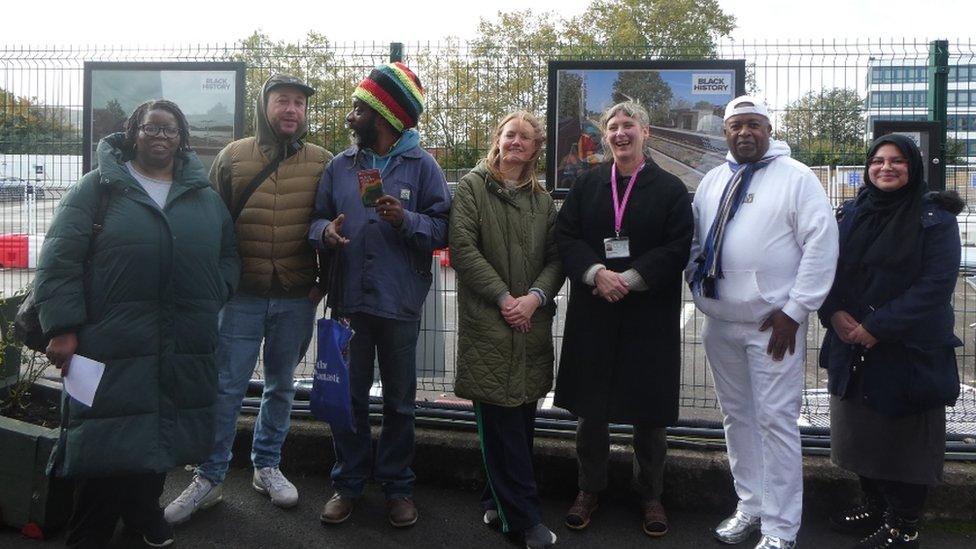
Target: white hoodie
point(780, 249)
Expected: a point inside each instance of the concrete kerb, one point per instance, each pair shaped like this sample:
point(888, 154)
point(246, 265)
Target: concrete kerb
point(695, 480)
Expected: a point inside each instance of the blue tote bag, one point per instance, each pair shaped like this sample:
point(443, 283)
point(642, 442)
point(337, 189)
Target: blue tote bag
point(330, 400)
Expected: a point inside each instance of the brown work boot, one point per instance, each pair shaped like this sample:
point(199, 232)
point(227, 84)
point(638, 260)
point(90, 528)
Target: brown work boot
point(655, 520)
point(401, 511)
point(337, 509)
point(578, 516)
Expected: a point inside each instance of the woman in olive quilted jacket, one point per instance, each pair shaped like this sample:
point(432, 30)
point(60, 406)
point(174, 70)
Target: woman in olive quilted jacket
point(508, 272)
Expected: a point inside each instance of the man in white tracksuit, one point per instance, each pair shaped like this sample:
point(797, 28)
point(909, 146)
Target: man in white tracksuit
point(763, 258)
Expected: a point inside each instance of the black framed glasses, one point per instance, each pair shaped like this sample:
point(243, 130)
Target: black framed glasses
point(152, 130)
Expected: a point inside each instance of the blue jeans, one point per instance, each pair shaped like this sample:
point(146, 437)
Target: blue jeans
point(285, 325)
point(395, 342)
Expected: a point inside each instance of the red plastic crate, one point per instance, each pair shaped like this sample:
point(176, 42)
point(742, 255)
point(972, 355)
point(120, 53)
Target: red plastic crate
point(14, 251)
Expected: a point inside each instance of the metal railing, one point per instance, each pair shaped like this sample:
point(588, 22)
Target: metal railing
point(469, 86)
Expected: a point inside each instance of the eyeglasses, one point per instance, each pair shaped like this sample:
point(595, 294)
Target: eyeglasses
point(152, 130)
point(897, 162)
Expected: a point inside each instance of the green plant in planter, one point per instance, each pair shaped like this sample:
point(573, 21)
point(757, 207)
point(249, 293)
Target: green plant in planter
point(9, 355)
point(29, 498)
point(16, 395)
point(17, 372)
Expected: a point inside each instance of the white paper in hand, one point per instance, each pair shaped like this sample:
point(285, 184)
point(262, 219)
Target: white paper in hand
point(83, 377)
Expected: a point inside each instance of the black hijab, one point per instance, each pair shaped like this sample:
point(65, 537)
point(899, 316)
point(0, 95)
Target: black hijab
point(887, 228)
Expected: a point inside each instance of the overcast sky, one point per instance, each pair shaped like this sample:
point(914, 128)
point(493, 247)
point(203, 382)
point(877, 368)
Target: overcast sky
point(218, 21)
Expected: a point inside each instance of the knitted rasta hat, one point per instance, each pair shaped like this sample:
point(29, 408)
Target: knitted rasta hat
point(395, 92)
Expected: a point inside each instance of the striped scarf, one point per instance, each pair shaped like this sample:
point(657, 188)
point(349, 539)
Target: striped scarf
point(709, 268)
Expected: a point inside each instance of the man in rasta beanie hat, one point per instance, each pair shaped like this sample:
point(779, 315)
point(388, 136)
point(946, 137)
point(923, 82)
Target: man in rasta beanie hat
point(381, 209)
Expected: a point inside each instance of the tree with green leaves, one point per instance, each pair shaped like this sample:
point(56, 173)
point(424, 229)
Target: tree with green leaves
point(511, 50)
point(468, 89)
point(825, 127)
point(646, 88)
point(29, 126)
point(570, 95)
point(312, 60)
point(454, 118)
point(109, 119)
point(955, 151)
point(663, 29)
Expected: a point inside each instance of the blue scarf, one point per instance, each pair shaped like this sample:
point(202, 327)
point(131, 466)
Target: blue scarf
point(709, 268)
point(408, 140)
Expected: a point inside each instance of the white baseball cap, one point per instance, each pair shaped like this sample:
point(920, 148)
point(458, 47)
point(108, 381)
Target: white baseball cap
point(753, 105)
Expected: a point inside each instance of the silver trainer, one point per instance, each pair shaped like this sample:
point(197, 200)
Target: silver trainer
point(772, 542)
point(736, 528)
point(200, 494)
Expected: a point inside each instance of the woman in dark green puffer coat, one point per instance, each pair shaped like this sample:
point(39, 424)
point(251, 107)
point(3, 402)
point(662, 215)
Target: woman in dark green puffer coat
point(146, 305)
point(508, 272)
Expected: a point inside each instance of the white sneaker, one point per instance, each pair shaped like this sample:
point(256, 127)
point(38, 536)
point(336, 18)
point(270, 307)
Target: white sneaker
point(270, 481)
point(200, 494)
point(492, 520)
point(539, 537)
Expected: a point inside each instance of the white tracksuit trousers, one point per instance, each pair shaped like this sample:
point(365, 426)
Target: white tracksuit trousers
point(760, 400)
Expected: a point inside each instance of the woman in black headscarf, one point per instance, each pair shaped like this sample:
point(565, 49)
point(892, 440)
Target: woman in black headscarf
point(889, 346)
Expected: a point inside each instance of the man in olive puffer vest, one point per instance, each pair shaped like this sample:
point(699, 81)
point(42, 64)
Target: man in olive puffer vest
point(278, 291)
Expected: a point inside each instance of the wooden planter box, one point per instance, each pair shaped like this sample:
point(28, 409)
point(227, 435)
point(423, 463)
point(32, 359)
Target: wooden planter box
point(27, 494)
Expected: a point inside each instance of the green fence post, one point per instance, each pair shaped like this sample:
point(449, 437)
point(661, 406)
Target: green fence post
point(937, 102)
point(396, 52)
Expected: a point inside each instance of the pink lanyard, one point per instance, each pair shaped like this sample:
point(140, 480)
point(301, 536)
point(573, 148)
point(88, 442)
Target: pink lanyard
point(619, 207)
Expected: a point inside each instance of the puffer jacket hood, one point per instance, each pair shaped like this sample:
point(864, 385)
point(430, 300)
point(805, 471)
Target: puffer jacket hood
point(409, 140)
point(271, 145)
point(949, 201)
point(272, 227)
point(112, 154)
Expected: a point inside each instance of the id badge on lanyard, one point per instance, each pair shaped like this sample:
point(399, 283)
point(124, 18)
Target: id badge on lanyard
point(618, 247)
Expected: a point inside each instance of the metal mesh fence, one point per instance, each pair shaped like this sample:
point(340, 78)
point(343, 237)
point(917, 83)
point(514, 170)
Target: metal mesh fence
point(823, 98)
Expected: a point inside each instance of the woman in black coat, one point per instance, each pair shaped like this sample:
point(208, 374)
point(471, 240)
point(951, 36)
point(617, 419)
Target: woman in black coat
point(889, 346)
point(624, 234)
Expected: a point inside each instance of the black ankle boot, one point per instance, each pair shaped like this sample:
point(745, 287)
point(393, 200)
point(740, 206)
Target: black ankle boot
point(895, 532)
point(860, 520)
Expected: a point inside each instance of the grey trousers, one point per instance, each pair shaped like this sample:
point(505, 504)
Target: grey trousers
point(593, 456)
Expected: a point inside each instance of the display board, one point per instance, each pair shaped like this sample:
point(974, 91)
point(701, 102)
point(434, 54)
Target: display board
point(211, 95)
point(685, 99)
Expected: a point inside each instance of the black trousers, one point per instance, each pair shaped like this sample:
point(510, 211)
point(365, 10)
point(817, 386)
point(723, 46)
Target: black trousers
point(593, 457)
point(506, 445)
point(904, 500)
point(99, 503)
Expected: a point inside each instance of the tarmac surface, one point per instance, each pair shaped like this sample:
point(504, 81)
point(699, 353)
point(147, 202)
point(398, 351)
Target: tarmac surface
point(449, 518)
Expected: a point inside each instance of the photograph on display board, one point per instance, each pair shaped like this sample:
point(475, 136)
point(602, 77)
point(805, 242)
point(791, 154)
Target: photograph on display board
point(685, 100)
point(209, 94)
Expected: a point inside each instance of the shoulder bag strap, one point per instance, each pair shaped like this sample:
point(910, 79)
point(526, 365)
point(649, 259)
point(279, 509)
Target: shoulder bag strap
point(251, 187)
point(99, 220)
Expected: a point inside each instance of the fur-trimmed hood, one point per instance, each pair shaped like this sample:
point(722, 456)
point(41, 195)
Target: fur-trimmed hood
point(949, 201)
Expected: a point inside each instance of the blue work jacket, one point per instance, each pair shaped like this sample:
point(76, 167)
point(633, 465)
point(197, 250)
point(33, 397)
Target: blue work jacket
point(384, 271)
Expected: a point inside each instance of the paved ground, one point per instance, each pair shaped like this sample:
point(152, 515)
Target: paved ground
point(449, 519)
